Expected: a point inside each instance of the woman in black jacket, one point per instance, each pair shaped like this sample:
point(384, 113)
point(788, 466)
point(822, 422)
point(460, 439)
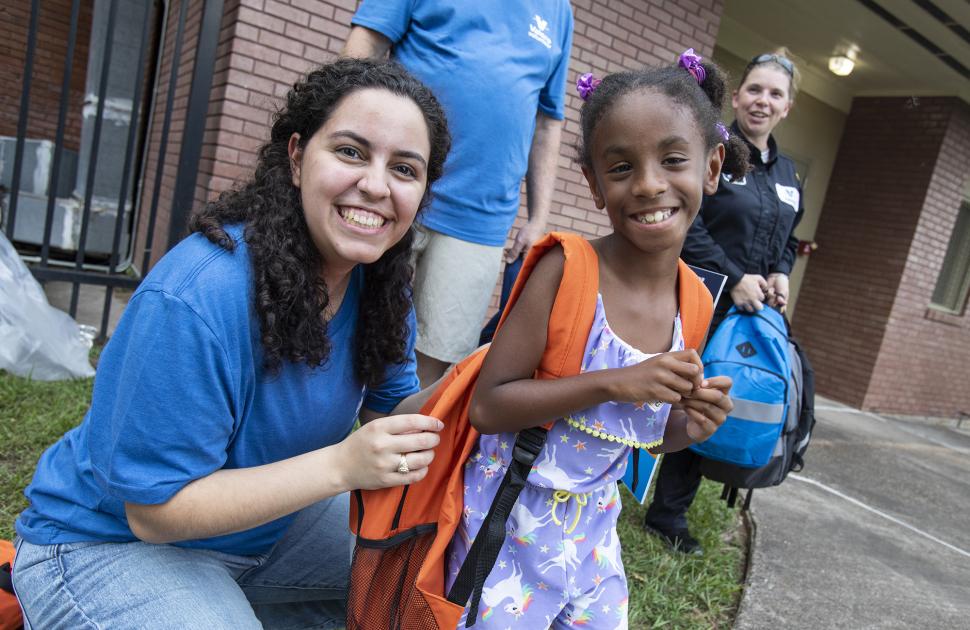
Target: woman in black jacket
point(744, 231)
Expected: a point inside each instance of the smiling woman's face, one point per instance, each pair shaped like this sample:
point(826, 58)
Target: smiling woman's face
point(651, 169)
point(761, 102)
point(362, 176)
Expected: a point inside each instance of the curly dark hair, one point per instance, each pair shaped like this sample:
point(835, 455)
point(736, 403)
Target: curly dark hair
point(290, 295)
point(703, 100)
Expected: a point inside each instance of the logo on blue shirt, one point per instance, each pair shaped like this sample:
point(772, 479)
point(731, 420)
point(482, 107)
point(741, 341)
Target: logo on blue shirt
point(538, 30)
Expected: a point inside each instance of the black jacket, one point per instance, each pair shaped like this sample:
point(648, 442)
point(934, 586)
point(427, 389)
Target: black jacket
point(747, 225)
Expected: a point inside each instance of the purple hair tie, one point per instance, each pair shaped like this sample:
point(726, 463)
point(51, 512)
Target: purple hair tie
point(691, 62)
point(585, 85)
point(722, 130)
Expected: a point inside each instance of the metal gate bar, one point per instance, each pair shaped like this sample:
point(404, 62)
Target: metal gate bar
point(188, 169)
point(18, 158)
point(59, 137)
point(125, 175)
point(163, 144)
point(45, 268)
point(95, 145)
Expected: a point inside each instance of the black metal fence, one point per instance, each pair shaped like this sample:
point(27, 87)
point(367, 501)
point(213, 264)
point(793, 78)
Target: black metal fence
point(113, 178)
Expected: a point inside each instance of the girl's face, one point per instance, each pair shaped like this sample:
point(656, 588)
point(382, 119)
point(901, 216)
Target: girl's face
point(761, 102)
point(650, 169)
point(362, 176)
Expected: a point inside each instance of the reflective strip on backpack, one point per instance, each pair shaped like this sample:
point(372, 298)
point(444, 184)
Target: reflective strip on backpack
point(754, 411)
point(779, 447)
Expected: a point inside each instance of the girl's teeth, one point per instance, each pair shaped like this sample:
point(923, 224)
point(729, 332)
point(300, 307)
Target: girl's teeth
point(655, 217)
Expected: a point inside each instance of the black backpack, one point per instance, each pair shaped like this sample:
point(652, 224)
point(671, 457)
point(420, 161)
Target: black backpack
point(792, 443)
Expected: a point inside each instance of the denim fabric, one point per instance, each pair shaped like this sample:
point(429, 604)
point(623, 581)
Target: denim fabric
point(300, 583)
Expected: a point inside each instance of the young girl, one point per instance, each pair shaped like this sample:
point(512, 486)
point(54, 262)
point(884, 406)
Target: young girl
point(723, 239)
point(651, 149)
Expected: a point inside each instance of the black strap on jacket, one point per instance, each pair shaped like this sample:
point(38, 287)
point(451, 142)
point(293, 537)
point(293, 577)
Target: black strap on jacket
point(485, 549)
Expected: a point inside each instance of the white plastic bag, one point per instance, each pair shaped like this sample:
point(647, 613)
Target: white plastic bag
point(36, 340)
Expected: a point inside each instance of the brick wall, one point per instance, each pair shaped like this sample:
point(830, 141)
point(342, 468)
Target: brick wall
point(54, 24)
point(924, 363)
point(267, 46)
point(886, 219)
point(610, 36)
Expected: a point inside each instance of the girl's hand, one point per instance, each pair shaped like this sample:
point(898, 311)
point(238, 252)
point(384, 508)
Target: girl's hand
point(667, 377)
point(777, 291)
point(708, 407)
point(369, 457)
point(749, 293)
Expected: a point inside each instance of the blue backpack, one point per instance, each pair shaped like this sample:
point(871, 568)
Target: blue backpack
point(754, 350)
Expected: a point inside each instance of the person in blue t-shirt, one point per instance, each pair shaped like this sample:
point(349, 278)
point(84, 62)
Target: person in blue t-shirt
point(500, 70)
point(207, 485)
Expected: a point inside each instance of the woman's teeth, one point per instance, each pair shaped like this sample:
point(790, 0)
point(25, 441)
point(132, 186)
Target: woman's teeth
point(655, 217)
point(363, 219)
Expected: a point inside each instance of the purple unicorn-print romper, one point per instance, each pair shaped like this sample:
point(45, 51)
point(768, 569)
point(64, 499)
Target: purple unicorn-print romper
point(560, 563)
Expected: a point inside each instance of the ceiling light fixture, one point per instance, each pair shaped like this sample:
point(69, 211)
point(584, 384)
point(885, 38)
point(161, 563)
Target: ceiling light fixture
point(841, 65)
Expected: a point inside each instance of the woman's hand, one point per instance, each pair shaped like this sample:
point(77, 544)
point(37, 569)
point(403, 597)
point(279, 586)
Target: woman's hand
point(749, 293)
point(369, 457)
point(777, 291)
point(236, 499)
point(667, 377)
point(708, 407)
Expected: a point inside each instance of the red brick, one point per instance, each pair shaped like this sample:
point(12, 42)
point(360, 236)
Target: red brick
point(884, 231)
point(290, 14)
point(47, 75)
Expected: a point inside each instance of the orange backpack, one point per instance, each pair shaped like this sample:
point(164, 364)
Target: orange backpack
point(9, 608)
point(397, 578)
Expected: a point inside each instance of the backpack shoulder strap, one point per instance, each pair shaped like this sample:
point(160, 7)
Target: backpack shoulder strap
point(575, 305)
point(696, 306)
point(569, 323)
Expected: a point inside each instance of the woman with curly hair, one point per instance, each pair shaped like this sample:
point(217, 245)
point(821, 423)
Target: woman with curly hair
point(207, 485)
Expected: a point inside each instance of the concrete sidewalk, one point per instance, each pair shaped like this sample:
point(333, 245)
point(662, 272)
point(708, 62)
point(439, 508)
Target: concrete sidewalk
point(90, 303)
point(873, 533)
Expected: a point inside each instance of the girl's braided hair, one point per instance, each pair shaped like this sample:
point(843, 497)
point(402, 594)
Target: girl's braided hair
point(704, 100)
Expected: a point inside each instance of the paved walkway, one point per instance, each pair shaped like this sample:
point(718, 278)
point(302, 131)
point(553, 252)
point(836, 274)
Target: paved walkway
point(90, 303)
point(873, 533)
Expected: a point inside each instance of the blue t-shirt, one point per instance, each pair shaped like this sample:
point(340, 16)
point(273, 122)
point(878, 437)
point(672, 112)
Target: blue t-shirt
point(493, 64)
point(181, 392)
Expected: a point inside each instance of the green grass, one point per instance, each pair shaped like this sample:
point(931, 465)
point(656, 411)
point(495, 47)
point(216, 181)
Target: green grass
point(33, 415)
point(667, 590)
point(672, 590)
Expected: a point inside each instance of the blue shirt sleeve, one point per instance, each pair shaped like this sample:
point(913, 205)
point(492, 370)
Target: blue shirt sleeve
point(391, 18)
point(552, 98)
point(162, 413)
point(401, 380)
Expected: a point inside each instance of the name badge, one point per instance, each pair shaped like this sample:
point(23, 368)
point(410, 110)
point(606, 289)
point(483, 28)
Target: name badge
point(789, 195)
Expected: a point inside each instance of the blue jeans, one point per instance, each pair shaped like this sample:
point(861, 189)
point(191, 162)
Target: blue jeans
point(300, 583)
